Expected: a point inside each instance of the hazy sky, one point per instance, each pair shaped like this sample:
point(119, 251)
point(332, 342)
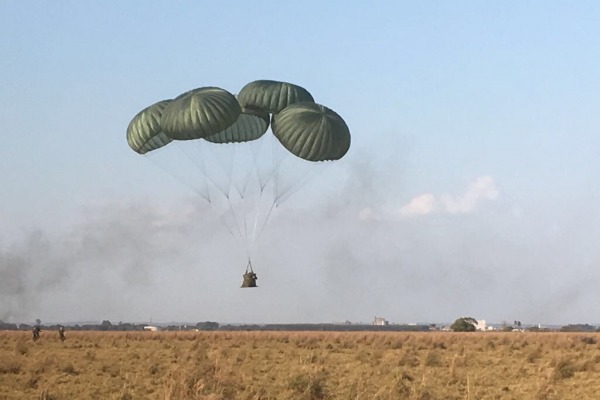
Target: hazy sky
point(471, 186)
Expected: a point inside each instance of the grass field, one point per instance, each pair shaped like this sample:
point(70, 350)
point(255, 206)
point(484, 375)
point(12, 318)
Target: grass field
point(300, 365)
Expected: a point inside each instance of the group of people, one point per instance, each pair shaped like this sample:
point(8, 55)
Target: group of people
point(37, 329)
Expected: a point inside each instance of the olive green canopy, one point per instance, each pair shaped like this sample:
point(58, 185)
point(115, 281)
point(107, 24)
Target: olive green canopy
point(250, 125)
point(312, 132)
point(144, 132)
point(272, 96)
point(308, 130)
point(200, 113)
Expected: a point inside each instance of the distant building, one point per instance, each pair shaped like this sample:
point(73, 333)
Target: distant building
point(380, 321)
point(151, 328)
point(483, 326)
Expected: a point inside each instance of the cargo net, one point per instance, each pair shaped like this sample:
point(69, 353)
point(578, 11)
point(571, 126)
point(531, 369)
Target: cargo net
point(250, 277)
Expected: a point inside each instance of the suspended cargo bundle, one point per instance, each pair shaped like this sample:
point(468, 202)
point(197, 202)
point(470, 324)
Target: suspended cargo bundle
point(250, 277)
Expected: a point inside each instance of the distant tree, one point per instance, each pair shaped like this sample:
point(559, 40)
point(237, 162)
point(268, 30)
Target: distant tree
point(207, 326)
point(578, 328)
point(507, 328)
point(464, 324)
point(106, 325)
point(6, 326)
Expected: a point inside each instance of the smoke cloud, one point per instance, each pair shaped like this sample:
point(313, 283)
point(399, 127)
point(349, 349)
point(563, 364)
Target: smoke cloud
point(140, 259)
point(481, 189)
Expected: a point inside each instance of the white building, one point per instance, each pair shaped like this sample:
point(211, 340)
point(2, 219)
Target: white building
point(151, 328)
point(483, 326)
point(380, 321)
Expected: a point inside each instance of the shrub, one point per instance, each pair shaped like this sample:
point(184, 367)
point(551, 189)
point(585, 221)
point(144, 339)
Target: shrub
point(45, 395)
point(22, 348)
point(464, 324)
point(10, 366)
point(311, 385)
point(433, 359)
point(564, 369)
point(588, 340)
point(154, 369)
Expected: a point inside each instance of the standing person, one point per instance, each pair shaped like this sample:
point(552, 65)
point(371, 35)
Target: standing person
point(61, 333)
point(36, 332)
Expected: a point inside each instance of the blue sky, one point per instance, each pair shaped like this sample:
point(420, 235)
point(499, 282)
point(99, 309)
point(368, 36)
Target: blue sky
point(472, 173)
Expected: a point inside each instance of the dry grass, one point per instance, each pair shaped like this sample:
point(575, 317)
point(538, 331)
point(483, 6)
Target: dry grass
point(294, 365)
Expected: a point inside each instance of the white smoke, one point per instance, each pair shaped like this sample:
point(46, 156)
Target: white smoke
point(479, 190)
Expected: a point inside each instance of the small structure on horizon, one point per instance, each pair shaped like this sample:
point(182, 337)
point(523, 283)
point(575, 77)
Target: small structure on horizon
point(380, 321)
point(151, 328)
point(482, 326)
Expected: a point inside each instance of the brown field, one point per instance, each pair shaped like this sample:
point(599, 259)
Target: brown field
point(300, 365)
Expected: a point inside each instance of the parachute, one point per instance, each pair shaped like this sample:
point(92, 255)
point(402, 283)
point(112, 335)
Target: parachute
point(272, 96)
point(312, 132)
point(144, 132)
point(250, 125)
point(227, 156)
point(199, 113)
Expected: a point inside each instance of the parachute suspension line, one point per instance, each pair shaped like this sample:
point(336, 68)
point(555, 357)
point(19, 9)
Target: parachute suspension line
point(257, 150)
point(228, 226)
point(245, 222)
point(273, 205)
point(225, 189)
point(202, 156)
point(203, 192)
point(249, 266)
point(204, 176)
point(205, 196)
point(277, 161)
point(249, 172)
point(301, 182)
point(256, 215)
point(254, 212)
point(243, 191)
point(201, 165)
point(207, 179)
point(229, 168)
point(235, 218)
point(237, 239)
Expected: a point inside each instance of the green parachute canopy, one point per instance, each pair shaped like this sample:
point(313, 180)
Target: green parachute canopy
point(308, 130)
point(200, 113)
point(312, 132)
point(250, 125)
point(272, 96)
point(144, 132)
